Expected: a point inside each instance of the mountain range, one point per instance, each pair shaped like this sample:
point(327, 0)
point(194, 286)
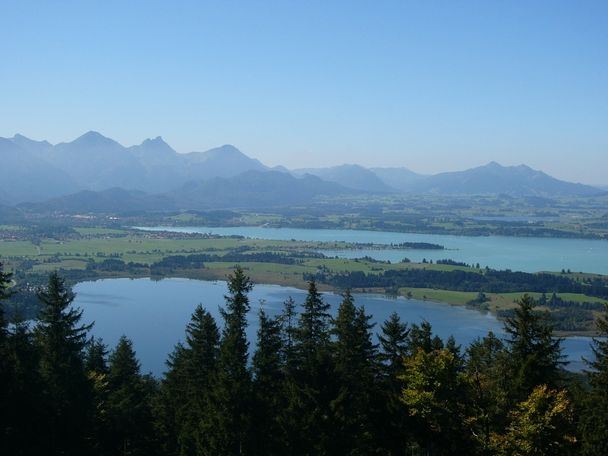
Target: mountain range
point(94, 171)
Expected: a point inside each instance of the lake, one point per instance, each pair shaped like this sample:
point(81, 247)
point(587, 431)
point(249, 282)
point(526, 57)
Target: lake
point(154, 314)
point(497, 252)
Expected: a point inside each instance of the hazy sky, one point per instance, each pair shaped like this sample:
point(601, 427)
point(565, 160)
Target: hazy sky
point(430, 85)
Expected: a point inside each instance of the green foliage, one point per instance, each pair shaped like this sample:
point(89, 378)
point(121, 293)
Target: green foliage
point(534, 353)
point(356, 367)
point(433, 394)
point(228, 423)
point(594, 421)
point(269, 374)
point(315, 385)
point(67, 390)
point(540, 426)
point(394, 342)
point(128, 403)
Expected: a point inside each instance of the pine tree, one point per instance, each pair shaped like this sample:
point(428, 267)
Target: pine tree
point(420, 337)
point(393, 340)
point(183, 401)
point(594, 426)
point(356, 367)
point(171, 405)
point(202, 345)
point(312, 386)
point(95, 357)
point(313, 329)
point(486, 384)
point(393, 424)
point(68, 392)
point(6, 374)
point(228, 423)
point(269, 374)
point(128, 403)
point(23, 398)
point(288, 334)
point(535, 354)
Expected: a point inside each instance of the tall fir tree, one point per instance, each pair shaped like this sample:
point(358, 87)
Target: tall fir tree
point(288, 321)
point(486, 383)
point(171, 404)
point(184, 395)
point(535, 355)
point(307, 418)
point(356, 367)
point(393, 424)
point(228, 424)
point(201, 352)
point(269, 374)
point(128, 404)
point(6, 375)
point(61, 339)
point(394, 342)
point(594, 425)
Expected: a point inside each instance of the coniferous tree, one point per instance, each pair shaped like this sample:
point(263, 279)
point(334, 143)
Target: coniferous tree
point(288, 334)
point(67, 390)
point(170, 404)
point(393, 424)
point(486, 384)
point(356, 367)
point(307, 418)
point(6, 374)
point(95, 359)
point(394, 342)
point(202, 345)
point(184, 395)
point(227, 425)
point(594, 426)
point(96, 367)
point(420, 337)
point(269, 373)
point(534, 353)
point(128, 404)
point(23, 400)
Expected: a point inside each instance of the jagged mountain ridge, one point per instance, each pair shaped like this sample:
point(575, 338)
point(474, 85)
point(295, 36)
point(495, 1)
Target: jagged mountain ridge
point(38, 170)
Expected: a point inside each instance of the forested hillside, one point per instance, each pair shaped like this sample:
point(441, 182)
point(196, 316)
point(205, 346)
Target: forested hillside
point(310, 384)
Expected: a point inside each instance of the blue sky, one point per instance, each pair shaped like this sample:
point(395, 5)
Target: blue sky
point(430, 85)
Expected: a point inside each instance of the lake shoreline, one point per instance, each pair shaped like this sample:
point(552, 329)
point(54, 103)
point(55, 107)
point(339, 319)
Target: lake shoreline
point(213, 275)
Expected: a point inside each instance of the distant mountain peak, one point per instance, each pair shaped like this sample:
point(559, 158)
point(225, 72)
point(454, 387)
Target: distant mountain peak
point(226, 149)
point(93, 138)
point(20, 139)
point(493, 164)
point(156, 142)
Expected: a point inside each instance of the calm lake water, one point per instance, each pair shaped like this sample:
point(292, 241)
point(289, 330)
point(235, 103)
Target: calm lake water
point(154, 314)
point(498, 252)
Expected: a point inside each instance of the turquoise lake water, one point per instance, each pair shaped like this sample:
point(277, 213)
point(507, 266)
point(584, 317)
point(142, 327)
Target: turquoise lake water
point(154, 314)
point(498, 252)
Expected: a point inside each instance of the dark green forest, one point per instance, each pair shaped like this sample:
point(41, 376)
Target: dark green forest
point(313, 385)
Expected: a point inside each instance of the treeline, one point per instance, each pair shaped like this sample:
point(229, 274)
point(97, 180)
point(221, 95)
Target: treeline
point(314, 385)
point(488, 281)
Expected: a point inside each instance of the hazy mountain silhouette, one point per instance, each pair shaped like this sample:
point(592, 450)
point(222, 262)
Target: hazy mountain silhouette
point(350, 176)
point(107, 201)
point(37, 170)
point(25, 177)
point(496, 179)
point(401, 179)
point(254, 189)
point(251, 189)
